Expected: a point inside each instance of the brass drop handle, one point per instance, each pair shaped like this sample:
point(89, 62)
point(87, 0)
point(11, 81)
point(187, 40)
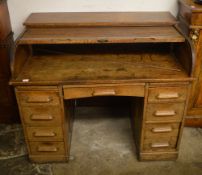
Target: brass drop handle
point(194, 34)
point(163, 113)
point(41, 117)
point(160, 145)
point(103, 92)
point(162, 129)
point(44, 134)
point(36, 99)
point(168, 95)
point(47, 149)
point(194, 37)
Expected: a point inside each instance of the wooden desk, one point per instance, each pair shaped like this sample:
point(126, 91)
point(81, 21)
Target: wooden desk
point(66, 56)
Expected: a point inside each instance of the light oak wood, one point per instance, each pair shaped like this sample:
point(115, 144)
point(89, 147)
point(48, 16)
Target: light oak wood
point(38, 97)
point(161, 130)
point(172, 94)
point(44, 133)
point(145, 58)
point(103, 68)
point(71, 92)
point(160, 145)
point(165, 112)
point(167, 155)
point(47, 148)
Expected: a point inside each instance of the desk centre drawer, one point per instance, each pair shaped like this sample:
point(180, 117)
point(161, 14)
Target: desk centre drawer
point(47, 148)
point(44, 133)
point(167, 94)
point(41, 115)
point(38, 97)
point(165, 112)
point(114, 90)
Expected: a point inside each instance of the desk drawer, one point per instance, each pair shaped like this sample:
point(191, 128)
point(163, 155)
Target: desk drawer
point(167, 94)
point(165, 112)
point(153, 131)
point(44, 133)
point(38, 98)
point(90, 91)
point(47, 148)
point(41, 115)
point(160, 144)
point(196, 19)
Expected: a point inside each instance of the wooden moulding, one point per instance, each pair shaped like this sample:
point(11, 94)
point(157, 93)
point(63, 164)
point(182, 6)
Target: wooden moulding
point(158, 156)
point(48, 158)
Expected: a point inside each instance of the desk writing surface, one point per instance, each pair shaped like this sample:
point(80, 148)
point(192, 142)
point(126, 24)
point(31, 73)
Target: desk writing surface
point(75, 68)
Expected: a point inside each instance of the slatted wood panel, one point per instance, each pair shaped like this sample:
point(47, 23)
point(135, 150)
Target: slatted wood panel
point(100, 35)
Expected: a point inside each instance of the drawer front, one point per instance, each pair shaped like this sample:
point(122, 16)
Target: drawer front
point(38, 98)
point(196, 19)
point(167, 94)
point(41, 115)
point(47, 148)
point(125, 90)
point(44, 133)
point(155, 131)
point(160, 144)
point(165, 112)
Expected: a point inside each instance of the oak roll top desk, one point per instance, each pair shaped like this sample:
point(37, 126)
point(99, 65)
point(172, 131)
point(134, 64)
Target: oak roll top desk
point(61, 57)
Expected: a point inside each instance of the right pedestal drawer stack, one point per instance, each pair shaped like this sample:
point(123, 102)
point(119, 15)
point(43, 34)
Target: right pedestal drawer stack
point(162, 121)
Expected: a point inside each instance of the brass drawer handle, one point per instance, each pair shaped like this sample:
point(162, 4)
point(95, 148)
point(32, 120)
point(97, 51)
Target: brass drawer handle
point(164, 113)
point(41, 117)
point(104, 92)
point(45, 99)
point(160, 145)
point(47, 149)
point(168, 95)
point(163, 129)
point(44, 134)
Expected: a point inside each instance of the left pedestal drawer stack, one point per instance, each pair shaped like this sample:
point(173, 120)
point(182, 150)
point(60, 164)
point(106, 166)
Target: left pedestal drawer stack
point(44, 118)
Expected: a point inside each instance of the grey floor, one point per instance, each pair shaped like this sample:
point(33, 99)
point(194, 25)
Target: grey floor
point(102, 144)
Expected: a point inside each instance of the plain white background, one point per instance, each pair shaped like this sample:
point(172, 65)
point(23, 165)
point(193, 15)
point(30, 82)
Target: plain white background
point(20, 9)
